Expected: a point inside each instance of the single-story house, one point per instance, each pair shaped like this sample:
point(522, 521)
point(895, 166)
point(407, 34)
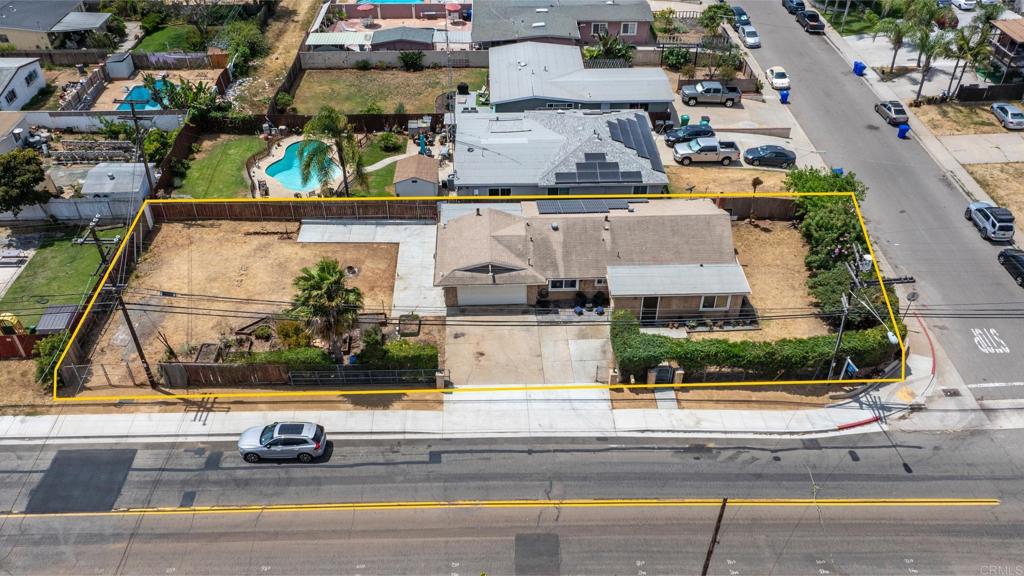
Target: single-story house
point(416, 176)
point(533, 75)
point(403, 38)
point(556, 152)
point(118, 181)
point(665, 260)
point(576, 22)
point(20, 80)
point(48, 24)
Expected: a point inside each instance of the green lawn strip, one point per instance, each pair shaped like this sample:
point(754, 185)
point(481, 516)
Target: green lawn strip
point(380, 183)
point(46, 99)
point(220, 173)
point(165, 40)
point(58, 273)
point(373, 153)
point(856, 23)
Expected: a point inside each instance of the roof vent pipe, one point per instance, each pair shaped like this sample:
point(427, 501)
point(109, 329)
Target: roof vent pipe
point(478, 211)
point(554, 226)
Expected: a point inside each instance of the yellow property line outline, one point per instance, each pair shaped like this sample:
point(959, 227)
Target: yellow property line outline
point(531, 504)
point(308, 393)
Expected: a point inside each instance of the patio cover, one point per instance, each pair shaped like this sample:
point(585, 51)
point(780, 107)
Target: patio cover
point(81, 21)
point(677, 280)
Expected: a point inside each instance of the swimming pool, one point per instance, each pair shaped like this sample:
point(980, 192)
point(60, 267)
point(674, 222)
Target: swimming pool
point(390, 2)
point(287, 172)
point(140, 92)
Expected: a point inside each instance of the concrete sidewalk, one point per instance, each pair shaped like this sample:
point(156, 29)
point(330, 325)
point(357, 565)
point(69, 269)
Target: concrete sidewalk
point(985, 148)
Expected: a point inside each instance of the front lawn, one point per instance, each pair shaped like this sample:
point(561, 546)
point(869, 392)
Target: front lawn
point(950, 119)
point(59, 273)
point(380, 183)
point(218, 170)
point(351, 91)
point(166, 39)
point(856, 22)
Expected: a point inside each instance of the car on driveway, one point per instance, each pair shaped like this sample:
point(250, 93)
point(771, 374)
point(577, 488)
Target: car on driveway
point(739, 18)
point(769, 155)
point(749, 36)
point(1010, 116)
point(811, 22)
point(686, 133)
point(777, 78)
point(303, 441)
point(1013, 260)
point(993, 222)
point(706, 150)
point(965, 5)
point(892, 111)
point(794, 6)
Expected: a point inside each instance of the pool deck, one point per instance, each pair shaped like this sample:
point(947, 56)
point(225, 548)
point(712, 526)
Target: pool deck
point(118, 89)
point(278, 190)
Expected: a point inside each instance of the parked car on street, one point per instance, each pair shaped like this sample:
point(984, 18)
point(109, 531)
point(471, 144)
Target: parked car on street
point(739, 18)
point(892, 111)
point(943, 3)
point(965, 5)
point(769, 155)
point(1011, 117)
point(777, 78)
point(706, 150)
point(811, 22)
point(794, 6)
point(749, 36)
point(304, 441)
point(1013, 260)
point(708, 92)
point(995, 223)
point(687, 133)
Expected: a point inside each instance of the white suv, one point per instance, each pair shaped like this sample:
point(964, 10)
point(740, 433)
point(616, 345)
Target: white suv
point(995, 223)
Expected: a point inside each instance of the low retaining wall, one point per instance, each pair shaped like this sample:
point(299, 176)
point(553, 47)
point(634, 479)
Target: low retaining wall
point(341, 59)
point(292, 210)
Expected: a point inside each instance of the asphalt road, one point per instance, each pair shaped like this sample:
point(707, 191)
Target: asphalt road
point(628, 540)
point(914, 213)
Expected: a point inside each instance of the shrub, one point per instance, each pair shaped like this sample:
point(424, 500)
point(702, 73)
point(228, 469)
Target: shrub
point(292, 334)
point(157, 144)
point(395, 355)
point(726, 73)
point(294, 358)
point(7, 47)
point(675, 57)
point(827, 287)
point(833, 233)
point(372, 108)
point(114, 130)
point(284, 100)
point(400, 108)
point(363, 65)
point(263, 333)
point(116, 27)
point(412, 61)
point(382, 66)
point(246, 43)
point(47, 351)
point(194, 40)
point(152, 22)
point(388, 142)
point(689, 71)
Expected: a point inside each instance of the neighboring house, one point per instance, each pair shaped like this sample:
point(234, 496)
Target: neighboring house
point(403, 38)
point(533, 75)
point(48, 24)
point(555, 153)
point(20, 80)
point(12, 131)
point(665, 260)
point(577, 22)
point(1008, 47)
point(117, 181)
point(416, 176)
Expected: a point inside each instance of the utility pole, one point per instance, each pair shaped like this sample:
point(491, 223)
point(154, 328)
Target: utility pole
point(714, 539)
point(839, 337)
point(139, 147)
point(135, 337)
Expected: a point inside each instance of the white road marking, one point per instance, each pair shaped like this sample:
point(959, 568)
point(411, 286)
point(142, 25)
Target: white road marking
point(995, 384)
point(988, 341)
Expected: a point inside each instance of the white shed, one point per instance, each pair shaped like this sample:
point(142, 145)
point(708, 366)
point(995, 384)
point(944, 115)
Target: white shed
point(416, 176)
point(120, 66)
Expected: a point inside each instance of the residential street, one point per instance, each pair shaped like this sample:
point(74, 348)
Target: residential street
point(538, 540)
point(914, 212)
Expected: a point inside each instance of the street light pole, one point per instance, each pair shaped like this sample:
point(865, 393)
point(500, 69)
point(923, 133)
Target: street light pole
point(911, 298)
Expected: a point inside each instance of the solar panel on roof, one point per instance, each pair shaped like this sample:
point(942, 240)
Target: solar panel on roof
point(607, 165)
point(587, 176)
point(593, 156)
point(565, 177)
point(571, 206)
point(587, 166)
point(627, 134)
point(638, 139)
point(637, 200)
point(548, 207)
point(609, 176)
point(631, 176)
point(594, 206)
point(613, 129)
point(617, 204)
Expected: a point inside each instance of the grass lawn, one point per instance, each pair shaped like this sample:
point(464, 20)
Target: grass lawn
point(58, 273)
point(165, 39)
point(373, 153)
point(350, 91)
point(380, 183)
point(856, 23)
point(951, 119)
point(46, 99)
point(218, 170)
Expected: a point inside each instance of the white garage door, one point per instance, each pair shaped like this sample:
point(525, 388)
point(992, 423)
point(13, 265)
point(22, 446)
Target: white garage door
point(491, 295)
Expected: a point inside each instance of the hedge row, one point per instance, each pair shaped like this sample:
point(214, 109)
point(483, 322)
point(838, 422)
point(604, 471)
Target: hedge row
point(397, 354)
point(294, 358)
point(637, 352)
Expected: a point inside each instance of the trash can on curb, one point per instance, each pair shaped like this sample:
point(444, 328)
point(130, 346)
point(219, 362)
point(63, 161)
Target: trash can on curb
point(684, 120)
point(784, 96)
point(837, 171)
point(902, 131)
point(859, 67)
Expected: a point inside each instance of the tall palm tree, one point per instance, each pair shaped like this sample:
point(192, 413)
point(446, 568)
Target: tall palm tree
point(896, 30)
point(978, 55)
point(931, 46)
point(327, 307)
point(961, 45)
point(316, 157)
point(922, 13)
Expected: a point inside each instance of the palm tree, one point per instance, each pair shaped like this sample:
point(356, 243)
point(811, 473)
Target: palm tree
point(922, 13)
point(962, 44)
point(896, 30)
point(978, 55)
point(931, 46)
point(609, 47)
point(316, 157)
point(327, 308)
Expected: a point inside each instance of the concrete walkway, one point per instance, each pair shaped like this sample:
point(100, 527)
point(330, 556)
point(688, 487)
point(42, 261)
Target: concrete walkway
point(985, 148)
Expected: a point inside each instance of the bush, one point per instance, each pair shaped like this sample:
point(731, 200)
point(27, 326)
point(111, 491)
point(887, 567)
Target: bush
point(293, 358)
point(675, 57)
point(47, 352)
point(400, 108)
point(833, 233)
point(246, 43)
point(827, 288)
point(412, 61)
point(284, 100)
point(292, 334)
point(388, 142)
point(263, 333)
point(363, 65)
point(152, 22)
point(7, 47)
point(194, 40)
point(372, 108)
point(157, 144)
point(116, 27)
point(395, 355)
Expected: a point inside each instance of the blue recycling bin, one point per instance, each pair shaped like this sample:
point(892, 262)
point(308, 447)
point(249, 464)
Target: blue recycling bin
point(859, 67)
point(784, 96)
point(902, 131)
point(837, 171)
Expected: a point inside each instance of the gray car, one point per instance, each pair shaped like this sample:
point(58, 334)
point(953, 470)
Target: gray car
point(892, 111)
point(749, 36)
point(304, 441)
point(1008, 115)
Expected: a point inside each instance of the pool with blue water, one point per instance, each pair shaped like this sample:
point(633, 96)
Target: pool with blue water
point(140, 93)
point(287, 171)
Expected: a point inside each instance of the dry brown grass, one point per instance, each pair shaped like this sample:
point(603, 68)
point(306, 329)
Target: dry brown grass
point(723, 179)
point(772, 255)
point(760, 398)
point(953, 119)
point(351, 91)
point(18, 386)
point(1003, 182)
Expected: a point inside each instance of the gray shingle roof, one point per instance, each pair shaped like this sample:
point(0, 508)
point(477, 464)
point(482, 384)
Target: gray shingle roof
point(509, 20)
point(9, 67)
point(36, 15)
point(407, 33)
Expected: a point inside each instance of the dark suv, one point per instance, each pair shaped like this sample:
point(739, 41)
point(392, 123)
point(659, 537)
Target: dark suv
point(687, 133)
point(739, 18)
point(794, 6)
point(1013, 260)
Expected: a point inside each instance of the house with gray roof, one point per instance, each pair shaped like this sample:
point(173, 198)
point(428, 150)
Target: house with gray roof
point(555, 152)
point(48, 24)
point(403, 38)
point(578, 22)
point(534, 75)
point(20, 80)
point(666, 260)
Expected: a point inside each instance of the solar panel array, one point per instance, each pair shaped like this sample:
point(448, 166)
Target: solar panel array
point(587, 206)
point(634, 133)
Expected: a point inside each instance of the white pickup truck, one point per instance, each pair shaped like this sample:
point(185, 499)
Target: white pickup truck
point(706, 150)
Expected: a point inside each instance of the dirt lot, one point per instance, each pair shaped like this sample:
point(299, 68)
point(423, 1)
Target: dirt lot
point(759, 398)
point(18, 385)
point(1003, 182)
point(351, 91)
point(953, 119)
point(722, 179)
point(772, 255)
point(251, 264)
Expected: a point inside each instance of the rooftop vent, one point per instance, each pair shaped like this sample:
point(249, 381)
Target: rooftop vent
point(542, 10)
point(537, 25)
point(110, 175)
point(554, 226)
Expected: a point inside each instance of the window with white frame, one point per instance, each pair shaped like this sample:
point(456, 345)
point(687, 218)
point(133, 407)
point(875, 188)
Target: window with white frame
point(628, 29)
point(601, 282)
point(599, 28)
point(31, 77)
point(715, 302)
point(11, 96)
point(563, 284)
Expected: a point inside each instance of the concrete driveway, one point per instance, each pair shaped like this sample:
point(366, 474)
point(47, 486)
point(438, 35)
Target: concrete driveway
point(479, 351)
point(986, 148)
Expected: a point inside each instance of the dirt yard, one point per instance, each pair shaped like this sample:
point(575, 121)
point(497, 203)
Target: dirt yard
point(759, 398)
point(723, 179)
point(772, 255)
point(18, 385)
point(1003, 182)
point(954, 119)
point(351, 91)
point(224, 276)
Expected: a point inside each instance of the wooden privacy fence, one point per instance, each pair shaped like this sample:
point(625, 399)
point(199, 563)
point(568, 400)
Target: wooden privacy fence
point(975, 93)
point(212, 375)
point(180, 150)
point(763, 207)
point(61, 57)
point(296, 122)
point(181, 375)
point(179, 60)
point(84, 95)
point(293, 210)
point(18, 345)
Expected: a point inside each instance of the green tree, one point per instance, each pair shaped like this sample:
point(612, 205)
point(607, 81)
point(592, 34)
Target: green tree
point(675, 57)
point(246, 42)
point(199, 98)
point(47, 352)
point(157, 144)
point(316, 157)
point(931, 45)
point(412, 60)
point(896, 30)
point(116, 26)
point(327, 307)
point(21, 173)
point(609, 47)
point(713, 16)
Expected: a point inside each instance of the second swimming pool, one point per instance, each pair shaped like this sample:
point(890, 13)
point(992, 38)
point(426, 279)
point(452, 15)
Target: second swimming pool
point(288, 173)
